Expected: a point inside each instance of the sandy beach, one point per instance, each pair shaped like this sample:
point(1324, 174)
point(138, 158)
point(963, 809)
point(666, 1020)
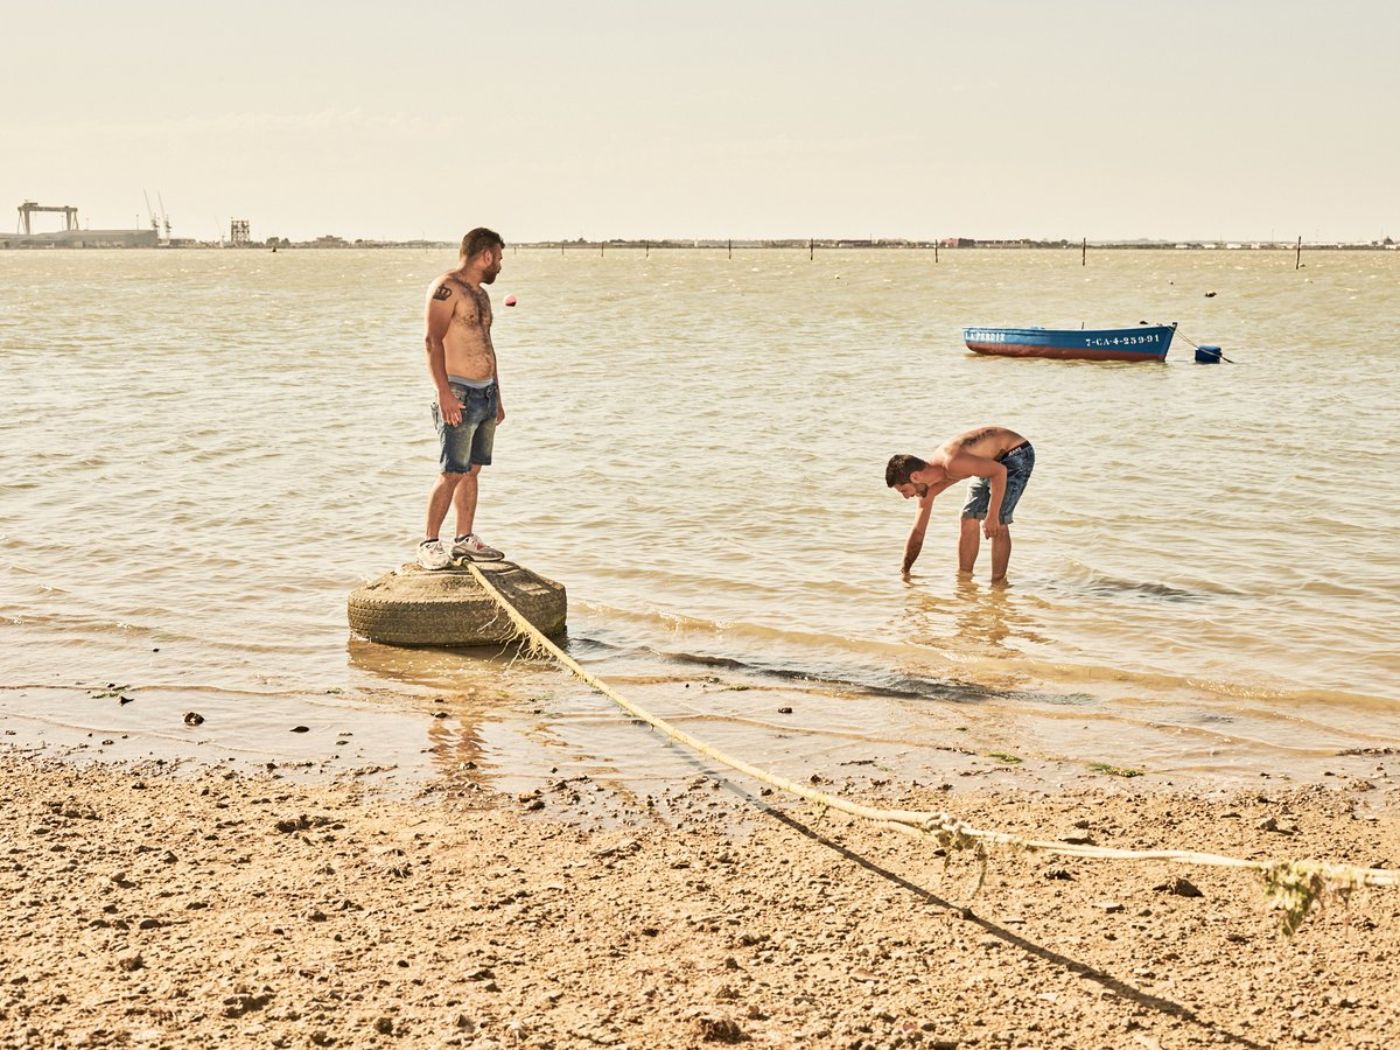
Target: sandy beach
point(169, 904)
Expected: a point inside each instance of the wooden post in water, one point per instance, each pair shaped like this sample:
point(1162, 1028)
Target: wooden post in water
point(1298, 259)
point(935, 251)
point(602, 248)
point(731, 247)
point(811, 249)
point(1084, 252)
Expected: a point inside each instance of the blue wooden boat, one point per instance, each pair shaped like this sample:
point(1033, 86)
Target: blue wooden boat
point(1143, 343)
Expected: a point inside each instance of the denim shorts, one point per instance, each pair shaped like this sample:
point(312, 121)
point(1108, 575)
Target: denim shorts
point(1019, 463)
point(469, 443)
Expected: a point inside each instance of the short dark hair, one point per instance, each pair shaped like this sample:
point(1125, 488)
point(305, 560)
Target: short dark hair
point(479, 240)
point(900, 467)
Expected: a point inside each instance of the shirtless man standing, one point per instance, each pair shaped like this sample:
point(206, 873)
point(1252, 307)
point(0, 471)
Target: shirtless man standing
point(462, 364)
point(1000, 459)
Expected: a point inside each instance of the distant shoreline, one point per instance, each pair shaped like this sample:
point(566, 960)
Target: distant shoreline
point(43, 242)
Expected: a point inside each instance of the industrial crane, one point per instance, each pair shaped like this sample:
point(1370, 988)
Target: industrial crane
point(164, 216)
point(28, 208)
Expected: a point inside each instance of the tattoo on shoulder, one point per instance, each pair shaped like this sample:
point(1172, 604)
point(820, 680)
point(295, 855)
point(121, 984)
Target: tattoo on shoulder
point(443, 292)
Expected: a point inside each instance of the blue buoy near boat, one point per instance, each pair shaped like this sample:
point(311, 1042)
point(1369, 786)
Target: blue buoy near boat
point(1208, 355)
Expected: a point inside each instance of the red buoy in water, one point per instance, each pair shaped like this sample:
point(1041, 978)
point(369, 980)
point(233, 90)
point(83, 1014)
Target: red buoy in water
point(510, 300)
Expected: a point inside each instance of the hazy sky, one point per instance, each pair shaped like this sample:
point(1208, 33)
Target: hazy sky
point(765, 118)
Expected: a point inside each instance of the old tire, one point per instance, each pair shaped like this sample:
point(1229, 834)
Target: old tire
point(412, 606)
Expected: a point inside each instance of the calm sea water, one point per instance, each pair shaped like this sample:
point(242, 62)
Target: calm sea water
point(203, 452)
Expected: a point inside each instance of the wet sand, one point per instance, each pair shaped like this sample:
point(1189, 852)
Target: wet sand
point(169, 904)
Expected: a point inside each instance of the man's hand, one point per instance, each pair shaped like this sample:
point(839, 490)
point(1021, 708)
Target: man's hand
point(915, 543)
point(450, 407)
point(911, 551)
point(992, 526)
point(500, 412)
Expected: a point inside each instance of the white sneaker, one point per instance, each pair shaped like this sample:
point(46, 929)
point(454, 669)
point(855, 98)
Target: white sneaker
point(471, 548)
point(433, 555)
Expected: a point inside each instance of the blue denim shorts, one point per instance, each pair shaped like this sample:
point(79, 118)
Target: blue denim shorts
point(1019, 463)
point(469, 443)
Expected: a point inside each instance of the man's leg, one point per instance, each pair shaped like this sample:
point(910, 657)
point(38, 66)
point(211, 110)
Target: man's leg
point(1001, 553)
point(439, 499)
point(464, 502)
point(968, 540)
point(1019, 464)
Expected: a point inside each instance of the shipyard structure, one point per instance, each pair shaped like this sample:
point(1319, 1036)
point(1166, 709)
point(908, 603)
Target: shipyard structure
point(72, 236)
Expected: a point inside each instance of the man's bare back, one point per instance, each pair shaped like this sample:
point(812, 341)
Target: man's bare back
point(983, 442)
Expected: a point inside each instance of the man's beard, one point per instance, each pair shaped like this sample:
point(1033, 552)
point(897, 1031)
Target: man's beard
point(920, 490)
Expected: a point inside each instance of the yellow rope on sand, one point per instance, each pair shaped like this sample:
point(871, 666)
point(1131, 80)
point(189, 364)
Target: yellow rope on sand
point(1296, 883)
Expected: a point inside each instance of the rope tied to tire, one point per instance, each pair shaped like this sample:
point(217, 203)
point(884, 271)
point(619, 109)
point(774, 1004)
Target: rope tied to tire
point(1294, 884)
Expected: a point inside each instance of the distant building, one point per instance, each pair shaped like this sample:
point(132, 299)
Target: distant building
point(82, 239)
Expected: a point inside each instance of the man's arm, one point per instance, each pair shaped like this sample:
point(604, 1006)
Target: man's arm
point(995, 473)
point(496, 374)
point(439, 317)
point(915, 543)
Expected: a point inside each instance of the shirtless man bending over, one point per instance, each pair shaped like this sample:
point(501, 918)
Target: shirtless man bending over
point(462, 364)
point(1000, 459)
